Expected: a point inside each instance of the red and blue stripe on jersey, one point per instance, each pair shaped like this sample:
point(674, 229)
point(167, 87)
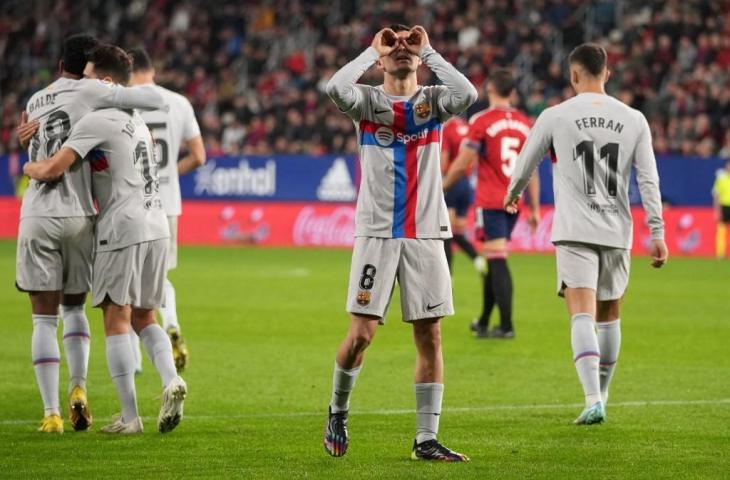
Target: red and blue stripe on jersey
point(407, 137)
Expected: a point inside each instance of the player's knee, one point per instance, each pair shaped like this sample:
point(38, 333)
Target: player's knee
point(428, 335)
point(45, 303)
point(73, 300)
point(360, 340)
point(607, 311)
point(142, 319)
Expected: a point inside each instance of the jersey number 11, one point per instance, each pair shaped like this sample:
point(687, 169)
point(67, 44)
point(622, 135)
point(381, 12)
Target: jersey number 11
point(609, 151)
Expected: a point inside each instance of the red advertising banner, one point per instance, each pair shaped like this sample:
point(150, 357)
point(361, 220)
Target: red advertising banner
point(690, 230)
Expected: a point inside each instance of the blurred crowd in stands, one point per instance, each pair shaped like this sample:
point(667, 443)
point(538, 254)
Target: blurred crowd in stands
point(255, 70)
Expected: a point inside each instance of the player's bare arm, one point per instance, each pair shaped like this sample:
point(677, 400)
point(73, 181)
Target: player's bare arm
point(195, 157)
point(52, 168)
point(26, 130)
point(465, 159)
point(533, 191)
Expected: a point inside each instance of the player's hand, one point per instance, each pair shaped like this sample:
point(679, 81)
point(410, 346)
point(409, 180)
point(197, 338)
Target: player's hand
point(26, 130)
point(510, 204)
point(385, 41)
point(659, 253)
point(533, 220)
point(416, 41)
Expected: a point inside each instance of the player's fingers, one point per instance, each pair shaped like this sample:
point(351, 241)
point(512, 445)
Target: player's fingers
point(23, 117)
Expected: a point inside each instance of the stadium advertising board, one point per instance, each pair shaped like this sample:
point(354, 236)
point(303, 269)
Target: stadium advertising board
point(329, 178)
point(309, 201)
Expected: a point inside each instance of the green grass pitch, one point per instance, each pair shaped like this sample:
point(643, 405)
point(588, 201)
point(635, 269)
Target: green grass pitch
point(262, 326)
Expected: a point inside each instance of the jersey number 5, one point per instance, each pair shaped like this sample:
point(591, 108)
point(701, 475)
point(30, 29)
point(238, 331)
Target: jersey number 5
point(609, 151)
point(509, 151)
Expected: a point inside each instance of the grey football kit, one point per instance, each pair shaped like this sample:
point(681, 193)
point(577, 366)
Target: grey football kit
point(596, 140)
point(131, 231)
point(171, 125)
point(55, 239)
point(401, 216)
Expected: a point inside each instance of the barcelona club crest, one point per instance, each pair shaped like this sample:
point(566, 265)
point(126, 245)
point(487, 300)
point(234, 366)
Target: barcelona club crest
point(363, 298)
point(423, 110)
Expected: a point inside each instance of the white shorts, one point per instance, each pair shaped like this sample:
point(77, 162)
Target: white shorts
point(134, 275)
point(54, 254)
point(172, 246)
point(420, 267)
point(603, 269)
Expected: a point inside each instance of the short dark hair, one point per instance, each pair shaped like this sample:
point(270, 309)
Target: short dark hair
point(76, 50)
point(398, 27)
point(113, 61)
point(502, 80)
point(590, 56)
point(140, 60)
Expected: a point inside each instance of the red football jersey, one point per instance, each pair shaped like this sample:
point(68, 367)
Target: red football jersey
point(454, 133)
point(497, 135)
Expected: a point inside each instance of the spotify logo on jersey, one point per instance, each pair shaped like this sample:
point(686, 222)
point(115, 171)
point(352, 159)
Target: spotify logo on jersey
point(384, 136)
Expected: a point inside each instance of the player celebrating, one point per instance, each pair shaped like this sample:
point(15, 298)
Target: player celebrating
point(460, 197)
point(55, 238)
point(171, 126)
point(596, 140)
point(401, 220)
point(495, 138)
point(131, 240)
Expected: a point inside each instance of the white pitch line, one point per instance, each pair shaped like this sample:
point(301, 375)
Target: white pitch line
point(404, 411)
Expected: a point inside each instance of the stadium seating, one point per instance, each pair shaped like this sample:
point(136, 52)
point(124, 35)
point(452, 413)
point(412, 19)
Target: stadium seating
point(255, 71)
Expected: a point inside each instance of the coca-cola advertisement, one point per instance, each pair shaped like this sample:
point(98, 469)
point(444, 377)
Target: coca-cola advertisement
point(690, 231)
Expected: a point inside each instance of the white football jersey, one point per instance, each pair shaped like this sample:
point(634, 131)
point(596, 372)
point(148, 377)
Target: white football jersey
point(596, 140)
point(118, 147)
point(59, 107)
point(401, 194)
point(171, 125)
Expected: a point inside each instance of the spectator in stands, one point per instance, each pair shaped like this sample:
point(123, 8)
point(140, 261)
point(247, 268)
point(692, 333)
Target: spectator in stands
point(259, 61)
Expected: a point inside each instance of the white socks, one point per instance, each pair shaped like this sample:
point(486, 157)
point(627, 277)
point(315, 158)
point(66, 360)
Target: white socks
point(46, 359)
point(169, 311)
point(120, 360)
point(343, 382)
point(586, 355)
point(609, 342)
point(76, 339)
point(158, 347)
point(428, 410)
point(136, 350)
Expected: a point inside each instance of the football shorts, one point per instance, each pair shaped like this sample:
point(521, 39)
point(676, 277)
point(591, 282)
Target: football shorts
point(495, 224)
point(603, 269)
point(419, 266)
point(133, 275)
point(460, 197)
point(725, 214)
point(54, 254)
